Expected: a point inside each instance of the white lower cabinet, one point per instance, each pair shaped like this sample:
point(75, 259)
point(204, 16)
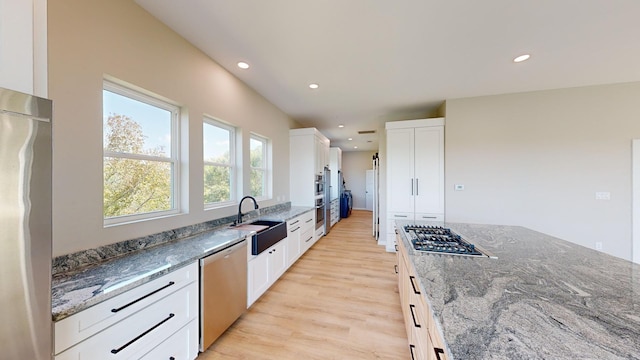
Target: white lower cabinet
point(307, 239)
point(294, 249)
point(159, 317)
point(335, 211)
point(425, 341)
point(267, 267)
point(264, 269)
point(178, 346)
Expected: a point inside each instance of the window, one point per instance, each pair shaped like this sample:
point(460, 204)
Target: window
point(258, 153)
point(219, 163)
point(140, 156)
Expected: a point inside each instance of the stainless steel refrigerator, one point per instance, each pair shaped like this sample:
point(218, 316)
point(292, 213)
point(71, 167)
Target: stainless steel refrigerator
point(25, 227)
point(327, 200)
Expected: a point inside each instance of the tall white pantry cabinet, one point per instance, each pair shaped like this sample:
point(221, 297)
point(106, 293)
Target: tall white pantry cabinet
point(415, 172)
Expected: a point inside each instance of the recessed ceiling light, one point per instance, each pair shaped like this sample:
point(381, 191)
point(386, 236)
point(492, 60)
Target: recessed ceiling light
point(355, 147)
point(314, 86)
point(243, 65)
point(522, 58)
point(350, 139)
point(340, 126)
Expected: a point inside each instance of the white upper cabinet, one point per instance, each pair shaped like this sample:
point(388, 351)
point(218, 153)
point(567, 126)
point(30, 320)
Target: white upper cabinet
point(308, 155)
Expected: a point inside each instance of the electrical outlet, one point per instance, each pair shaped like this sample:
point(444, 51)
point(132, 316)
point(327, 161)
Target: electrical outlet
point(603, 195)
point(598, 245)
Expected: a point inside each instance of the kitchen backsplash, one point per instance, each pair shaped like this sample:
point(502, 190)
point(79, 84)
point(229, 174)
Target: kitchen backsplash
point(78, 260)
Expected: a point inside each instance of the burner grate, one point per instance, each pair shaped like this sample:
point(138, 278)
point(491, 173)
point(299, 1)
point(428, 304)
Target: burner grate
point(437, 239)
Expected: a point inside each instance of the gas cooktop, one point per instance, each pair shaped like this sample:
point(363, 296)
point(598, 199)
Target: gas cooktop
point(437, 239)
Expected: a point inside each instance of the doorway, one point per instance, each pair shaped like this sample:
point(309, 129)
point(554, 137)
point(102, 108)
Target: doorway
point(369, 190)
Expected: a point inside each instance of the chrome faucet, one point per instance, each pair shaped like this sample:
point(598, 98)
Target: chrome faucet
point(255, 203)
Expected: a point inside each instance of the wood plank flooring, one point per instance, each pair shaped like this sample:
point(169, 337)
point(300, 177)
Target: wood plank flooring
point(338, 301)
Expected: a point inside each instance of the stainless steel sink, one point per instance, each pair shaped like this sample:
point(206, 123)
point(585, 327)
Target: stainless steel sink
point(264, 239)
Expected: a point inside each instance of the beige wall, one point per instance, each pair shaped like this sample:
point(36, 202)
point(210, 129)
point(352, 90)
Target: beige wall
point(91, 39)
point(537, 159)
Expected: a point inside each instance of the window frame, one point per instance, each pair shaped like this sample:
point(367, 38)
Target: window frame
point(233, 163)
point(148, 98)
point(266, 165)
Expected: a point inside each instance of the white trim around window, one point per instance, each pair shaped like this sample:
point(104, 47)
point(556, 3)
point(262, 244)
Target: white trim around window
point(219, 163)
point(127, 102)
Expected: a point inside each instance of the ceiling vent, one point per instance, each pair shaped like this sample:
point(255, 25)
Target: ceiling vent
point(363, 132)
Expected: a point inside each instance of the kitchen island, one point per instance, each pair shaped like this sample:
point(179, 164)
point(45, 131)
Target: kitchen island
point(542, 298)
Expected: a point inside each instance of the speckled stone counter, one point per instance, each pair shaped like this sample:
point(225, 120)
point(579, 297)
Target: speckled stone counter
point(543, 298)
point(78, 288)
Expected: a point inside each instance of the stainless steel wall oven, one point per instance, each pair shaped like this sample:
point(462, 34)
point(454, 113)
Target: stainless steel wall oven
point(319, 212)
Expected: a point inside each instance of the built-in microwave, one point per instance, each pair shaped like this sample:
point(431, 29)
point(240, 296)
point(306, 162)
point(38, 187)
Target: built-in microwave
point(319, 185)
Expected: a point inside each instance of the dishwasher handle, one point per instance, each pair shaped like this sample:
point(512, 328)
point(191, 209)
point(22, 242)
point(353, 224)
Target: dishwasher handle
point(240, 245)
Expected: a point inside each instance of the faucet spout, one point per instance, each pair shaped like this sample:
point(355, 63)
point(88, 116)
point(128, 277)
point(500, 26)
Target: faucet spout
point(240, 214)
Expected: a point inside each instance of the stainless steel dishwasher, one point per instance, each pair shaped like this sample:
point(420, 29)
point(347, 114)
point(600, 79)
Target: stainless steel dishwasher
point(223, 291)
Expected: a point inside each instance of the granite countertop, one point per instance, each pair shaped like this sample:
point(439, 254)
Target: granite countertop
point(542, 298)
point(74, 291)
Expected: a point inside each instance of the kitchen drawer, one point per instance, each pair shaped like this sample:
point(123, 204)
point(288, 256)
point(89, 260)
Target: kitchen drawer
point(429, 217)
point(183, 345)
point(306, 240)
point(141, 332)
point(308, 220)
point(77, 327)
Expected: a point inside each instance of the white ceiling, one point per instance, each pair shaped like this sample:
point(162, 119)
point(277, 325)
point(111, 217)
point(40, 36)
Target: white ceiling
point(381, 60)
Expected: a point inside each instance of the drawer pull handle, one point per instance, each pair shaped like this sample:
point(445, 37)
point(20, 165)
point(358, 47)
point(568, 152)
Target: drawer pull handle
point(295, 222)
point(309, 239)
point(413, 315)
point(438, 351)
point(115, 310)
point(396, 246)
point(401, 216)
point(413, 285)
point(115, 351)
point(308, 221)
point(411, 347)
point(396, 267)
point(296, 229)
point(429, 217)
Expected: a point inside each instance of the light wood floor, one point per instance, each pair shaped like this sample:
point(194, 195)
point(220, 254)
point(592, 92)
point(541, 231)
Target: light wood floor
point(338, 301)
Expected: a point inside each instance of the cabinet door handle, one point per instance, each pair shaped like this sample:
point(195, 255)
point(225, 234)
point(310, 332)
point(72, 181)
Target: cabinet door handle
point(115, 351)
point(396, 245)
point(401, 216)
point(396, 267)
point(438, 351)
point(411, 186)
point(115, 310)
point(309, 239)
point(296, 229)
point(308, 221)
point(413, 315)
point(411, 347)
point(417, 187)
point(429, 217)
point(413, 285)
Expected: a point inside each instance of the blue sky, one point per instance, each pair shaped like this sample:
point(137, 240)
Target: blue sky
point(156, 125)
point(155, 122)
